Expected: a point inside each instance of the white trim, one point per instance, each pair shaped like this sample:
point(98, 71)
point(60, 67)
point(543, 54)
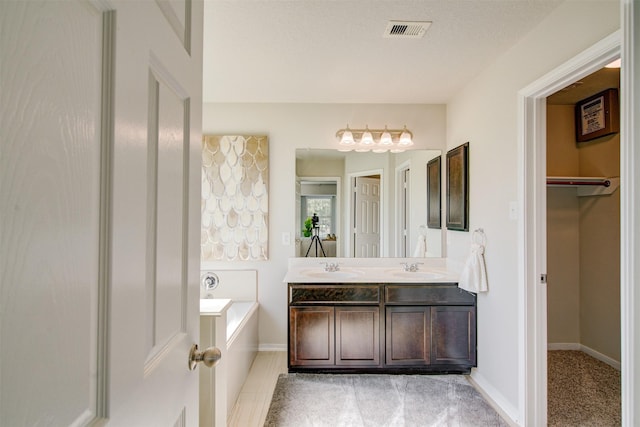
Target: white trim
point(107, 126)
point(532, 373)
point(574, 346)
point(272, 347)
point(400, 208)
point(497, 401)
point(629, 217)
point(601, 357)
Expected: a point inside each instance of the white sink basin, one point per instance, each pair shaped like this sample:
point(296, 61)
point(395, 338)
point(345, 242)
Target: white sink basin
point(415, 275)
point(333, 275)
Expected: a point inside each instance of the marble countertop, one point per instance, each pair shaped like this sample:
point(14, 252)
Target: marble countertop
point(372, 270)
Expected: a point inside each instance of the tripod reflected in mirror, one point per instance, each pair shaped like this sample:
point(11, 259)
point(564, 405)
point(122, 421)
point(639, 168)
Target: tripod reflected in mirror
point(315, 238)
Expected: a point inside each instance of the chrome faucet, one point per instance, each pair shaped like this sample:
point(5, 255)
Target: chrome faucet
point(331, 266)
point(413, 267)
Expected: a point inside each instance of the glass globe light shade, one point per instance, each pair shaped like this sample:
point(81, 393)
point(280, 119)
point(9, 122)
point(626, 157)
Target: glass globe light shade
point(385, 138)
point(347, 138)
point(367, 138)
point(405, 138)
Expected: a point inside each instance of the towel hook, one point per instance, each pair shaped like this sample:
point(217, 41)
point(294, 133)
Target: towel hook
point(479, 237)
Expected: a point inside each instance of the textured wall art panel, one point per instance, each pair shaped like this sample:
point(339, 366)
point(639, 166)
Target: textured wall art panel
point(235, 198)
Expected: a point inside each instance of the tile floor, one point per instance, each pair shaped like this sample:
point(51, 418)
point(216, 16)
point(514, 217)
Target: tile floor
point(252, 405)
point(253, 402)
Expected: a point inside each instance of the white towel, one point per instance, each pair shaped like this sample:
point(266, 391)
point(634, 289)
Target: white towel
point(474, 273)
point(421, 247)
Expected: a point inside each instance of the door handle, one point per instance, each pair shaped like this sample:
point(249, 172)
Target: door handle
point(210, 356)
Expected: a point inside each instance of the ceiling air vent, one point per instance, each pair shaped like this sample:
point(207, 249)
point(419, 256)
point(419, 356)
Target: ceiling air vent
point(406, 29)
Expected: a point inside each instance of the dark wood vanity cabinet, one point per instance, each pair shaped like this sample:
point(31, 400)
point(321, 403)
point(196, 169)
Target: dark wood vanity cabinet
point(381, 328)
point(408, 336)
point(453, 331)
point(357, 336)
point(334, 325)
point(430, 325)
point(312, 339)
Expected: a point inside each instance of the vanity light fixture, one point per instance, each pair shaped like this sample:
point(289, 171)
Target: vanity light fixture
point(376, 140)
point(406, 139)
point(347, 137)
point(367, 138)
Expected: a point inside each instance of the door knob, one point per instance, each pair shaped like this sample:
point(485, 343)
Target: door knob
point(209, 356)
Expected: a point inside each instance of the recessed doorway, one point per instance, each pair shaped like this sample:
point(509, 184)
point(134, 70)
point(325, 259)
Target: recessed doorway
point(532, 230)
point(583, 256)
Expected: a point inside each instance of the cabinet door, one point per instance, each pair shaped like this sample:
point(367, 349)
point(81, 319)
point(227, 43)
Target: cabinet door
point(358, 336)
point(454, 335)
point(408, 336)
point(311, 336)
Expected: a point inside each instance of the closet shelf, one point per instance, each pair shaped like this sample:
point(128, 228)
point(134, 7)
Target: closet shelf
point(585, 185)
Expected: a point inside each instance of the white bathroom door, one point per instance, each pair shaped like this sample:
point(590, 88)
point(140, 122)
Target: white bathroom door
point(367, 217)
point(155, 238)
point(99, 182)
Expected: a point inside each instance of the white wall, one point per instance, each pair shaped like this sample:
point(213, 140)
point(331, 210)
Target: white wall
point(485, 114)
point(291, 126)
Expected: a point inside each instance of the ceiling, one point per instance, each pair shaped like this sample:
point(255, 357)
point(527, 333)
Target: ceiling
point(602, 79)
point(333, 51)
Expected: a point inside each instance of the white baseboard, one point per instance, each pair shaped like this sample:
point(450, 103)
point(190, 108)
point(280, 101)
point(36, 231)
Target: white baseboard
point(591, 352)
point(494, 398)
point(272, 347)
point(564, 346)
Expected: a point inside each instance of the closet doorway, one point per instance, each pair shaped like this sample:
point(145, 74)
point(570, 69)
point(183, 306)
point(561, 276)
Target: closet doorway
point(583, 256)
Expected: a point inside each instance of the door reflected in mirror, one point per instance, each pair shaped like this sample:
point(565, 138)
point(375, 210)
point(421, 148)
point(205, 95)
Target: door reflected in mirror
point(367, 204)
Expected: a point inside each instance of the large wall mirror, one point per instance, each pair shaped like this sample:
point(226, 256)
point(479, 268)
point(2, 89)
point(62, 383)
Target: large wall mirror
point(365, 204)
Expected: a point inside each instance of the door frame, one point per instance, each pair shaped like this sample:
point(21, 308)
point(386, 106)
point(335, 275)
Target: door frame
point(532, 228)
point(402, 204)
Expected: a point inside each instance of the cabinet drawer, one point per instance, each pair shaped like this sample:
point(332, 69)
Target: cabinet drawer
point(442, 294)
point(334, 294)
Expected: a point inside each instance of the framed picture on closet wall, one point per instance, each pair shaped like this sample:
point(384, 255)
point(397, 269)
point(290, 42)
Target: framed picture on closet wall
point(597, 115)
point(458, 188)
point(434, 205)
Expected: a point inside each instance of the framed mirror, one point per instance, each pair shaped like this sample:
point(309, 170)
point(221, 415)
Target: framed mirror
point(458, 188)
point(434, 187)
point(368, 204)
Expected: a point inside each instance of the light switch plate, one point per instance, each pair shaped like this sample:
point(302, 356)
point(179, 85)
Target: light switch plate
point(286, 238)
point(513, 211)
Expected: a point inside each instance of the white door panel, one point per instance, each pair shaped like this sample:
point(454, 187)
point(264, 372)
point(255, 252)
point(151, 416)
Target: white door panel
point(367, 215)
point(156, 216)
point(50, 212)
point(164, 212)
point(100, 171)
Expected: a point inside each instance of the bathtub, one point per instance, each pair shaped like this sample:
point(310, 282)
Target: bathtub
point(242, 346)
point(232, 326)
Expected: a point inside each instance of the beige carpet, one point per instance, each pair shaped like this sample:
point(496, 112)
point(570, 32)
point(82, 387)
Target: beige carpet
point(378, 400)
point(583, 391)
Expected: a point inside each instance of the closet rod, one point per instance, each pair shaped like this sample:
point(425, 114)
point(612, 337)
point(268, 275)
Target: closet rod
point(599, 182)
